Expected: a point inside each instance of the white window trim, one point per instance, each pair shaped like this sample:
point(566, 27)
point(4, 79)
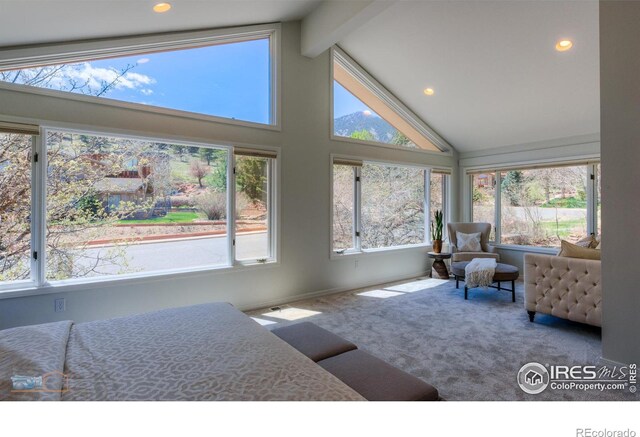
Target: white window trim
point(357, 250)
point(592, 197)
point(39, 55)
point(38, 284)
point(339, 55)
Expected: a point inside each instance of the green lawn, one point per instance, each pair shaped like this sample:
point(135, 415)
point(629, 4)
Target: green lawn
point(172, 217)
point(564, 227)
point(567, 202)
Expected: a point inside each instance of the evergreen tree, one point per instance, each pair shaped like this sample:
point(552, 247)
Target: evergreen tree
point(218, 177)
point(513, 186)
point(251, 176)
point(207, 155)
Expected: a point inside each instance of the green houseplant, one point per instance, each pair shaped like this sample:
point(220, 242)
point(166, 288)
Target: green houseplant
point(436, 231)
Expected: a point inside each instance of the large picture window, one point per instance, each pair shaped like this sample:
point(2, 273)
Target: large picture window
point(115, 206)
point(230, 77)
point(538, 206)
point(379, 205)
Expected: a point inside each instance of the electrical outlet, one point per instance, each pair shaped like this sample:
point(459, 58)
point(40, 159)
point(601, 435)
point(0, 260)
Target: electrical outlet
point(60, 305)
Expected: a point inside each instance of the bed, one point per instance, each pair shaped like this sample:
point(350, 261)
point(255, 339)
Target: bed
point(202, 352)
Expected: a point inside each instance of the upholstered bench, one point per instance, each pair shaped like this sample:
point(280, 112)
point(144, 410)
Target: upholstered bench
point(377, 380)
point(313, 341)
point(374, 379)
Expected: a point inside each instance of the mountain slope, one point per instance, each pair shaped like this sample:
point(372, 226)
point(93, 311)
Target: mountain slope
point(358, 121)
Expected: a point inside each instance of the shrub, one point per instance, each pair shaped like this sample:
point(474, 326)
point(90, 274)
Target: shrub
point(182, 201)
point(242, 203)
point(213, 204)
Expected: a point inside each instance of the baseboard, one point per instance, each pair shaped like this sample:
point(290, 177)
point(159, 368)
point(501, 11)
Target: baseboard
point(326, 292)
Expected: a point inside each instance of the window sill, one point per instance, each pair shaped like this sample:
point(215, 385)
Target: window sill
point(70, 285)
point(139, 107)
point(379, 251)
point(387, 146)
point(529, 249)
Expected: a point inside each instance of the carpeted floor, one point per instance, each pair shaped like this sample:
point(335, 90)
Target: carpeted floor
point(469, 350)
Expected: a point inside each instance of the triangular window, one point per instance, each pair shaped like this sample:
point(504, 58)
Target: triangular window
point(364, 111)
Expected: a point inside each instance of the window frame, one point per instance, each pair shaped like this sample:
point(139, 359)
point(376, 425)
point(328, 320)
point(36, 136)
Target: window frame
point(592, 181)
point(272, 206)
point(38, 284)
point(79, 51)
point(357, 250)
point(340, 56)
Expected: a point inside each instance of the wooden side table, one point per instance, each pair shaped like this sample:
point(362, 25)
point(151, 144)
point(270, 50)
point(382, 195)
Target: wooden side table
point(439, 268)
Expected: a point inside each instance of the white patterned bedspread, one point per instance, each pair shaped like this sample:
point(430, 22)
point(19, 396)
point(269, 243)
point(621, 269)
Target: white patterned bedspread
point(202, 352)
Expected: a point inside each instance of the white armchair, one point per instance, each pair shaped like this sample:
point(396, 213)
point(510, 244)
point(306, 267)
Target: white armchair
point(488, 251)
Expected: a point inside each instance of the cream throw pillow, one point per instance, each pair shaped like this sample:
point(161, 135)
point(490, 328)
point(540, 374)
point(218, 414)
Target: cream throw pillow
point(588, 241)
point(569, 250)
point(468, 242)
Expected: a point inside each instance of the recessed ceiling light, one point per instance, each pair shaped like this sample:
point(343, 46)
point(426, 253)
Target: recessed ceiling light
point(162, 7)
point(563, 45)
point(428, 91)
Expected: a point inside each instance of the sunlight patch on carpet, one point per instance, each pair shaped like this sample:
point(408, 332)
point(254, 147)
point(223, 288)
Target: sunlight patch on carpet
point(414, 286)
point(263, 322)
point(381, 294)
point(291, 313)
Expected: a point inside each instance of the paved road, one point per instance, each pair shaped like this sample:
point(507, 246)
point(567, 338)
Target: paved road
point(166, 255)
point(542, 213)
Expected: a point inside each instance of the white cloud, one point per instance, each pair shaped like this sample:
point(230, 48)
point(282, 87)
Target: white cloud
point(143, 60)
point(146, 91)
point(96, 77)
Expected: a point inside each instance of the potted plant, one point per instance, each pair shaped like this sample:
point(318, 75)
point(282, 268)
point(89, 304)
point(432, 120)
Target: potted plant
point(436, 231)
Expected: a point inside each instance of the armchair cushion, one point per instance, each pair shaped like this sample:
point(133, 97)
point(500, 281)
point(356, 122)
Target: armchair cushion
point(468, 256)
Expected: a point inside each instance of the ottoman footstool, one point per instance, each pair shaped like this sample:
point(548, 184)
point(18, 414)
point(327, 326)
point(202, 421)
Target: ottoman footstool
point(503, 273)
point(376, 380)
point(313, 341)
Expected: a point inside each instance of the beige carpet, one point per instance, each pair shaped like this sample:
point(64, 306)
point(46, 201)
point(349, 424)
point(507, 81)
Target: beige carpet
point(469, 350)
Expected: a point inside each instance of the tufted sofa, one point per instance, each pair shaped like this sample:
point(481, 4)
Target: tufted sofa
point(569, 288)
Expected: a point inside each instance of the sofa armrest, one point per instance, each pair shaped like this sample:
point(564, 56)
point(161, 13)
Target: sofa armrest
point(452, 248)
point(491, 249)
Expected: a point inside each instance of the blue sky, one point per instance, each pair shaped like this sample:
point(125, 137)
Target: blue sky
point(228, 80)
point(345, 103)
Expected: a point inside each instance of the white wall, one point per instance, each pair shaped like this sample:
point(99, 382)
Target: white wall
point(620, 127)
point(304, 268)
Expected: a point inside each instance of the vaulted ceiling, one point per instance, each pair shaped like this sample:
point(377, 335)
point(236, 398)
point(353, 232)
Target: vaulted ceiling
point(39, 21)
point(497, 79)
